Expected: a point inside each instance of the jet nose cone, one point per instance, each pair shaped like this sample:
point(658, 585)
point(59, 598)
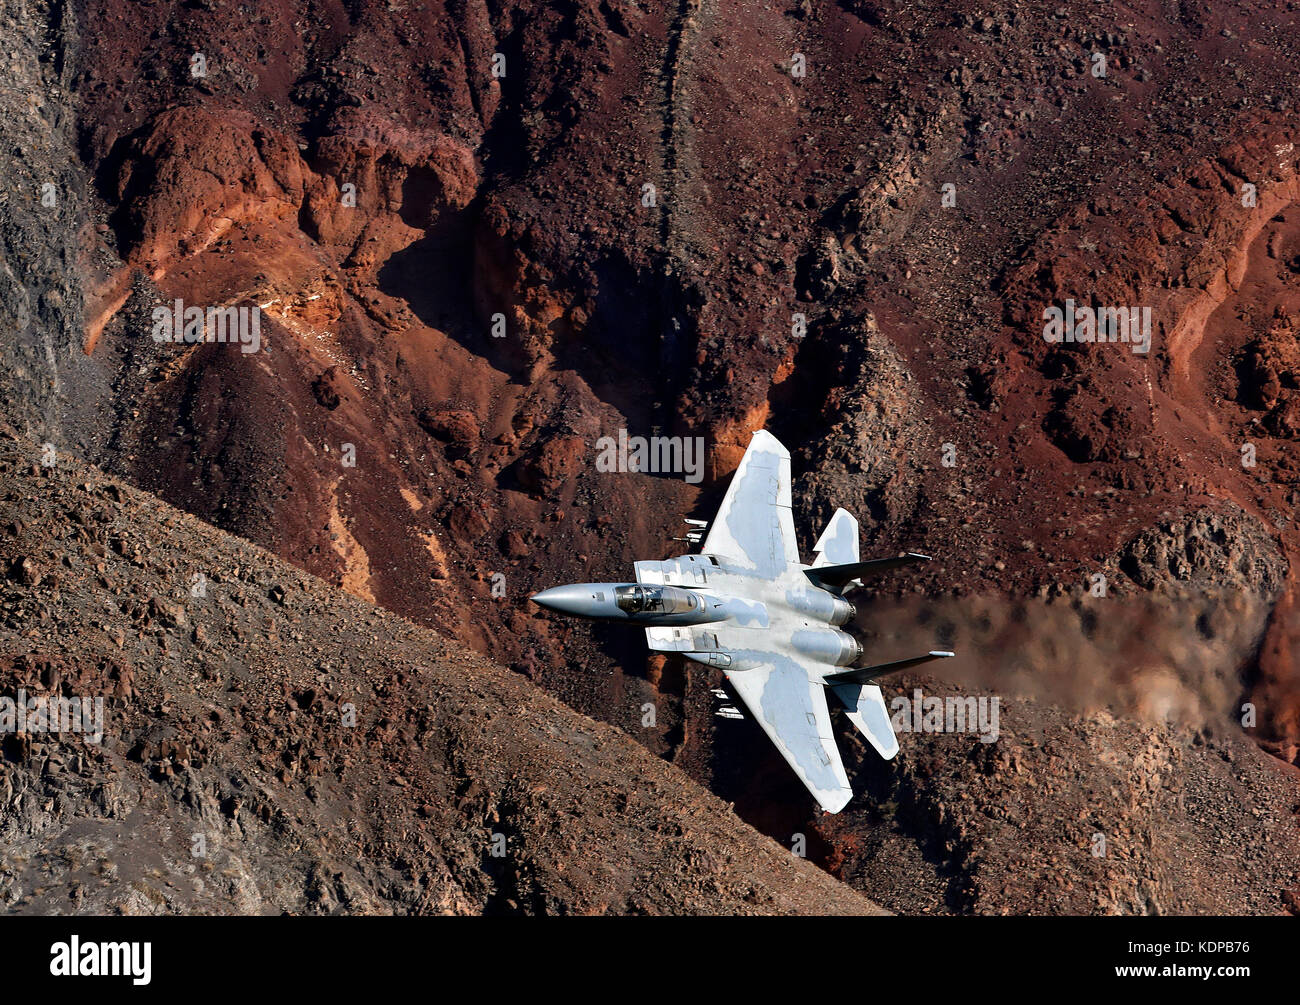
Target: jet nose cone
point(552, 599)
point(588, 600)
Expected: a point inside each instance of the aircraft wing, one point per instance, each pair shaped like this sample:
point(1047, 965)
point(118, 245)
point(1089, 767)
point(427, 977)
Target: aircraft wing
point(754, 527)
point(790, 704)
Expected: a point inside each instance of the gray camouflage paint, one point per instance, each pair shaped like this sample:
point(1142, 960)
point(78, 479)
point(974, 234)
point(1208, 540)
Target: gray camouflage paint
point(764, 616)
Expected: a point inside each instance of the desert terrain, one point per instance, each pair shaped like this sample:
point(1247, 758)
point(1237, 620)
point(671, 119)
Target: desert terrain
point(482, 236)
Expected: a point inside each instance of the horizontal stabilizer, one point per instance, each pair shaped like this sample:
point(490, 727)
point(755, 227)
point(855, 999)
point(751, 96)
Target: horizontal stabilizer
point(861, 675)
point(836, 577)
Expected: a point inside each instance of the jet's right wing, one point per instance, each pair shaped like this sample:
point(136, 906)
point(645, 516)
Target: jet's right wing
point(754, 527)
point(790, 705)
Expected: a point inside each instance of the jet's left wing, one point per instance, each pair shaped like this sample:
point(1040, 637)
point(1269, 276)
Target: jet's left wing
point(789, 703)
point(754, 526)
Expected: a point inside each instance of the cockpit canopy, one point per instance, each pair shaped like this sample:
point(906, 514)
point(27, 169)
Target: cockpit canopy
point(656, 600)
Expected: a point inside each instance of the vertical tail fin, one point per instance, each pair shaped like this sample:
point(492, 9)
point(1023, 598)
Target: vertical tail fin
point(866, 710)
point(838, 544)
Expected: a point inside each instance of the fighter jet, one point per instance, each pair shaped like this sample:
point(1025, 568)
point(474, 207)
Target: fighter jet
point(747, 605)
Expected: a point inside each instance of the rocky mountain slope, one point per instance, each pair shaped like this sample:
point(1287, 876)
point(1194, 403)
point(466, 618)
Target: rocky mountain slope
point(273, 744)
point(484, 235)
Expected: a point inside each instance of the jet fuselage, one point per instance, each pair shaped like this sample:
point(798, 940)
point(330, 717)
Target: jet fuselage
point(748, 605)
point(788, 611)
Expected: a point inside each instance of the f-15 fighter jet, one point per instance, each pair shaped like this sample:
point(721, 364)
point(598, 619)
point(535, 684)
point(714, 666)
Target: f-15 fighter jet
point(771, 624)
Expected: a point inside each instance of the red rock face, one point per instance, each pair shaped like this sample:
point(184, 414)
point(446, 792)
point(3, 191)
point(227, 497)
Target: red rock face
point(651, 223)
point(430, 395)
